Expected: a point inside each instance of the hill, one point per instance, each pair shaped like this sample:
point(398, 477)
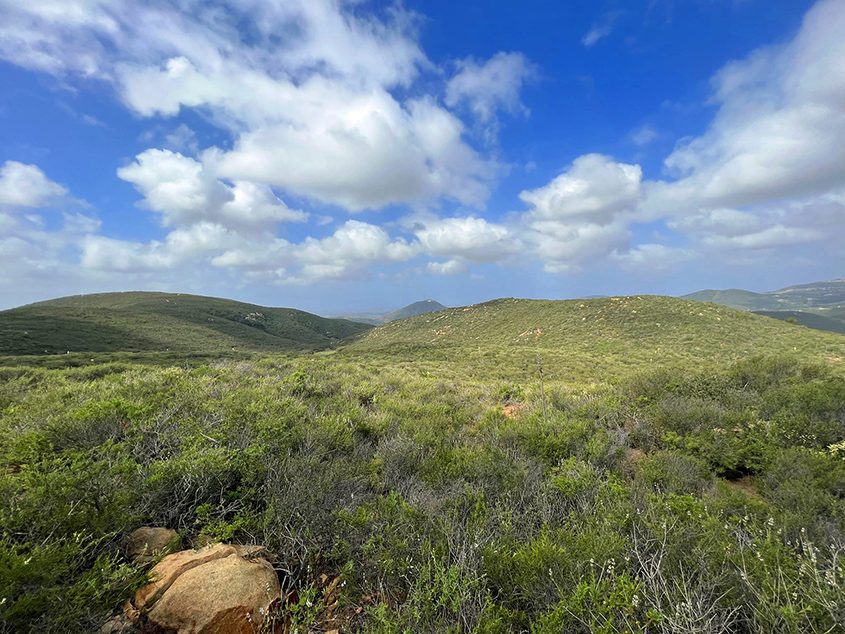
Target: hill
point(832, 320)
point(163, 322)
point(411, 310)
point(799, 297)
point(599, 336)
point(513, 466)
point(737, 298)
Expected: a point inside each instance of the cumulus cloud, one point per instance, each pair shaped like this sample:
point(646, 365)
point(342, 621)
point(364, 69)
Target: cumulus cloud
point(449, 267)
point(489, 87)
point(24, 185)
point(333, 112)
point(467, 238)
point(780, 127)
point(580, 214)
point(595, 187)
point(183, 191)
point(764, 178)
point(348, 250)
point(314, 112)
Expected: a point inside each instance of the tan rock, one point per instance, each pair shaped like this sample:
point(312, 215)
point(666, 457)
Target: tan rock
point(148, 542)
point(223, 595)
point(168, 570)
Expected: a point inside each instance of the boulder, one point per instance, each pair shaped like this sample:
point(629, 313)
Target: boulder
point(168, 570)
point(219, 589)
point(148, 542)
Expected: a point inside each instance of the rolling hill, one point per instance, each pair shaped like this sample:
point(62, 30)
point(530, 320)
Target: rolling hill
point(606, 336)
point(823, 319)
point(163, 322)
point(819, 305)
point(799, 297)
point(411, 310)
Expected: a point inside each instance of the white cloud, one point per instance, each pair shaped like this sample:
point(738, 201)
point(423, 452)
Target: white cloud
point(780, 127)
point(182, 139)
point(594, 187)
point(449, 267)
point(23, 185)
point(183, 191)
point(349, 250)
point(467, 238)
point(762, 179)
point(196, 242)
point(581, 214)
point(600, 29)
point(643, 135)
point(652, 257)
point(773, 236)
point(489, 87)
point(362, 151)
point(306, 90)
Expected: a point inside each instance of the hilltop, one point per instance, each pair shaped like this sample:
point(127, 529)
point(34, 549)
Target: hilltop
point(606, 335)
point(814, 295)
point(819, 305)
point(411, 310)
point(162, 323)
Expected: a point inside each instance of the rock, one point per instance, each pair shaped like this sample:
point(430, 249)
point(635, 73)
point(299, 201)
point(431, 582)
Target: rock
point(220, 596)
point(171, 567)
point(123, 622)
point(148, 542)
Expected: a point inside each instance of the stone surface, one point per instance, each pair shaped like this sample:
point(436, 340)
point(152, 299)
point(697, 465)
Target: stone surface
point(222, 595)
point(171, 567)
point(148, 542)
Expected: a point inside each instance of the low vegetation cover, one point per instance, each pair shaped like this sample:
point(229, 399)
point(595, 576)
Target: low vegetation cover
point(164, 326)
point(480, 480)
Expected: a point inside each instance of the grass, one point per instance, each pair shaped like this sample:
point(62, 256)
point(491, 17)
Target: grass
point(459, 475)
point(596, 340)
point(163, 324)
point(832, 319)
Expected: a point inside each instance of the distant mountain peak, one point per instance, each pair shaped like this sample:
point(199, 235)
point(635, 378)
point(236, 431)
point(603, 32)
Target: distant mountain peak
point(420, 307)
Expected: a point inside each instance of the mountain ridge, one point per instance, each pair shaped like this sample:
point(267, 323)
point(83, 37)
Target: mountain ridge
point(145, 321)
point(416, 308)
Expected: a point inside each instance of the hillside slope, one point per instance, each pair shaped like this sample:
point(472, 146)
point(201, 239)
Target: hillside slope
point(412, 310)
point(798, 297)
point(163, 322)
point(831, 319)
point(582, 337)
point(737, 298)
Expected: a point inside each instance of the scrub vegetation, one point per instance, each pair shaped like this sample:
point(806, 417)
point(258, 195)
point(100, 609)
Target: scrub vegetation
point(614, 465)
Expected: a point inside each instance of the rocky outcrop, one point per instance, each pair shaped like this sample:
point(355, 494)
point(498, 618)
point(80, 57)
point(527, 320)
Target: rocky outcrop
point(147, 543)
point(226, 595)
point(219, 589)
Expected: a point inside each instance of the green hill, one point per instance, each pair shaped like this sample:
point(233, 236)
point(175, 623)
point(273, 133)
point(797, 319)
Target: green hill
point(798, 297)
point(819, 305)
point(737, 298)
point(600, 338)
point(411, 310)
point(832, 320)
point(163, 323)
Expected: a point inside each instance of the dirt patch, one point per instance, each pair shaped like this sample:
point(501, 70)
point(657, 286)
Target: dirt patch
point(745, 484)
point(513, 410)
point(634, 456)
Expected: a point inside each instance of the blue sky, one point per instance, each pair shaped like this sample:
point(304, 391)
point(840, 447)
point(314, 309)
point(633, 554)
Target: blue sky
point(352, 156)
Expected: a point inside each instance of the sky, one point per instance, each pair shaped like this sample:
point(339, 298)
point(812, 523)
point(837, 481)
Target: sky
point(352, 155)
